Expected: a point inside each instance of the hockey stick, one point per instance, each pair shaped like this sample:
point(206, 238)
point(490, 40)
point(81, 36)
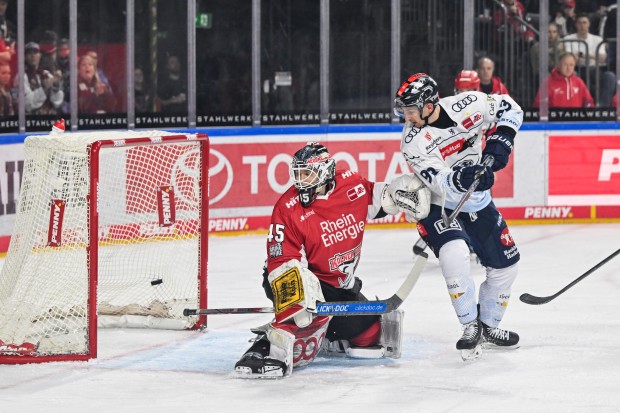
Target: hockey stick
point(534, 300)
point(447, 220)
point(343, 308)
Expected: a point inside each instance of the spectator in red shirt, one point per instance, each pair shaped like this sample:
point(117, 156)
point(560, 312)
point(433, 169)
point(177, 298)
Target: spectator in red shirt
point(512, 14)
point(565, 88)
point(489, 84)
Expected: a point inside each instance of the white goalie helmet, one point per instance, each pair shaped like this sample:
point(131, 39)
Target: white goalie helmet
point(312, 168)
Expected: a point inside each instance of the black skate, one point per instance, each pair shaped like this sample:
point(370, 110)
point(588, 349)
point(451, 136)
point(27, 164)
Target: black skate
point(496, 338)
point(255, 366)
point(470, 343)
point(256, 363)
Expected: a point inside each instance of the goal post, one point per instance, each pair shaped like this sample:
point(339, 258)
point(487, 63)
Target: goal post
point(111, 229)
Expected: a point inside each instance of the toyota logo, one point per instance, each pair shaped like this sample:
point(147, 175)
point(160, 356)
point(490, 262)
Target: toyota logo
point(220, 165)
point(187, 167)
point(463, 103)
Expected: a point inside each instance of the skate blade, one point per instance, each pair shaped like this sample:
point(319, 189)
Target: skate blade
point(495, 347)
point(472, 354)
point(246, 373)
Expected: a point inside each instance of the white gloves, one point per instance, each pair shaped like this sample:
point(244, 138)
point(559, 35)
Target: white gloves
point(408, 194)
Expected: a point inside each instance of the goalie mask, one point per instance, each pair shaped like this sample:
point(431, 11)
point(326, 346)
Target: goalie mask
point(416, 91)
point(312, 169)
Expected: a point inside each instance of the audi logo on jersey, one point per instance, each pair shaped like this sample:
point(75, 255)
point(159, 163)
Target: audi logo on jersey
point(463, 103)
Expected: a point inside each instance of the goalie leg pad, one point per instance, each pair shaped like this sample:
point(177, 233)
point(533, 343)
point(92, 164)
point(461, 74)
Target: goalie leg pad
point(296, 291)
point(271, 356)
point(307, 340)
point(392, 333)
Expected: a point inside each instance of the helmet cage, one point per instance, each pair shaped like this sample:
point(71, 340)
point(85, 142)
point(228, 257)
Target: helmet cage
point(311, 168)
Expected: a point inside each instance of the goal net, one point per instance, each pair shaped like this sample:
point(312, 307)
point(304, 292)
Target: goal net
point(110, 227)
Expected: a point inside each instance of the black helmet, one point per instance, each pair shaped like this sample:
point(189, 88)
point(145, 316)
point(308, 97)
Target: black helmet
point(416, 91)
point(311, 168)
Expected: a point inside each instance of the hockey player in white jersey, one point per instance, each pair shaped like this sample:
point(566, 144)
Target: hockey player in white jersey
point(443, 142)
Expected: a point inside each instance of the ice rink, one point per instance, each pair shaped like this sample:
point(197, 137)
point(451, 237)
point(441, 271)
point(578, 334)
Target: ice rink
point(569, 360)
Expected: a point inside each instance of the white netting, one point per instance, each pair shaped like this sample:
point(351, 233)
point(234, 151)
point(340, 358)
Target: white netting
point(148, 202)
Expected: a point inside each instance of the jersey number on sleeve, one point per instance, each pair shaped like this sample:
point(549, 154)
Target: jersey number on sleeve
point(504, 106)
point(276, 232)
point(428, 174)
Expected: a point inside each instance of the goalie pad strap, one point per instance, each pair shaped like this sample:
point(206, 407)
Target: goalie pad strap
point(296, 291)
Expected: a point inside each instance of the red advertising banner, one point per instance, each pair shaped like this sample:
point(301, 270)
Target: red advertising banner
point(584, 170)
point(255, 174)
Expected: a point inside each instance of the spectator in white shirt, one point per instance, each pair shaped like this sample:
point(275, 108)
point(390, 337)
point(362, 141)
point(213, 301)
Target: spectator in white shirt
point(578, 48)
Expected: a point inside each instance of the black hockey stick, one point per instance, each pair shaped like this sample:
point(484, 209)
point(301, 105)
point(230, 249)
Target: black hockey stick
point(534, 300)
point(343, 308)
point(447, 220)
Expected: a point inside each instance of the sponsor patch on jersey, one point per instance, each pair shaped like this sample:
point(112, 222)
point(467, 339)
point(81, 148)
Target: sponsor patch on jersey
point(356, 192)
point(275, 250)
point(472, 121)
point(440, 227)
point(506, 238)
point(428, 136)
point(454, 147)
point(306, 215)
point(287, 289)
point(291, 202)
point(421, 229)
point(346, 174)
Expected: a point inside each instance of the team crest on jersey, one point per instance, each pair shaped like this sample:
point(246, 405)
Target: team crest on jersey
point(472, 121)
point(356, 192)
point(346, 263)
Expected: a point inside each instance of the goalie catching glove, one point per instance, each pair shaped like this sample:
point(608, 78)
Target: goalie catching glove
point(408, 194)
point(295, 293)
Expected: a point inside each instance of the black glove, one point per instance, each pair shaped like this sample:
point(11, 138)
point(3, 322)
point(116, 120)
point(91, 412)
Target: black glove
point(465, 176)
point(500, 146)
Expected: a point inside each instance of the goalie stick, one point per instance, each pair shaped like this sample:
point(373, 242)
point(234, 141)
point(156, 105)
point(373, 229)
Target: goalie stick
point(447, 220)
point(534, 300)
point(341, 308)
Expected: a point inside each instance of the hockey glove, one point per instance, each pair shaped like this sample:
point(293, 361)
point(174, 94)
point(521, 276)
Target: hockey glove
point(408, 194)
point(500, 146)
point(462, 178)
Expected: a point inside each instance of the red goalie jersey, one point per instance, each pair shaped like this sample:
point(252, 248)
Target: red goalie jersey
point(328, 233)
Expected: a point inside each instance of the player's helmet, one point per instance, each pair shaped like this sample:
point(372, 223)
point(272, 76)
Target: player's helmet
point(312, 167)
point(466, 80)
point(417, 91)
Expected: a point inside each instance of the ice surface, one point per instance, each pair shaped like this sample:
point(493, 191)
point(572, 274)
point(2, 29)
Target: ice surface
point(568, 361)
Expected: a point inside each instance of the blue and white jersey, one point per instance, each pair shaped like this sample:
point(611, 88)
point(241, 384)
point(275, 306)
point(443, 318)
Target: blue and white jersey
point(433, 152)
